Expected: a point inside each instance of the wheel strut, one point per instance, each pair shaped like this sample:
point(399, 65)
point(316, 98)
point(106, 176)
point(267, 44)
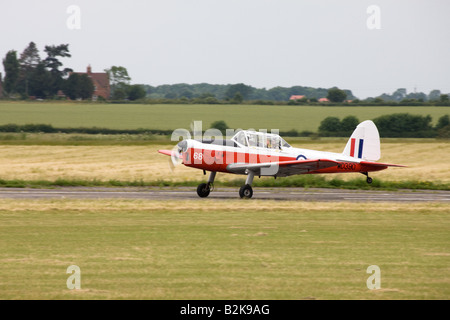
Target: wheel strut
point(369, 179)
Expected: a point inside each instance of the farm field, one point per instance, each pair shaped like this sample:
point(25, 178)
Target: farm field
point(170, 117)
point(215, 249)
point(143, 162)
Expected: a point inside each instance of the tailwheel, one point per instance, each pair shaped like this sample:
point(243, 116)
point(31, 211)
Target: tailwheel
point(369, 179)
point(203, 190)
point(246, 191)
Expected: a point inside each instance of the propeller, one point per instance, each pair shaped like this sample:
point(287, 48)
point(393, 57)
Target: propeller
point(176, 157)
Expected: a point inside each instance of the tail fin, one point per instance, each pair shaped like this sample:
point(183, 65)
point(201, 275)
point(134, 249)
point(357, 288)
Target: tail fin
point(364, 142)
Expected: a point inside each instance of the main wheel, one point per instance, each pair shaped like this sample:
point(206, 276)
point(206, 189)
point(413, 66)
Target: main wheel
point(369, 180)
point(203, 190)
point(246, 191)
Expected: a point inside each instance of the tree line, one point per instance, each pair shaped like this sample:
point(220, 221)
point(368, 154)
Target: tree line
point(29, 75)
point(398, 125)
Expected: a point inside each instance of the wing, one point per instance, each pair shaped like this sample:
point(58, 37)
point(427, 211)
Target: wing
point(282, 168)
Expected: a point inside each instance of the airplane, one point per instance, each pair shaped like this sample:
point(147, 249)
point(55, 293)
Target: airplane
point(253, 153)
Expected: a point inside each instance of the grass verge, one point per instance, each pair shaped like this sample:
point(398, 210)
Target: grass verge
point(294, 181)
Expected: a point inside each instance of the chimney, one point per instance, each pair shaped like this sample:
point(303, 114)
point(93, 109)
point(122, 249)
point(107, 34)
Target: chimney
point(89, 69)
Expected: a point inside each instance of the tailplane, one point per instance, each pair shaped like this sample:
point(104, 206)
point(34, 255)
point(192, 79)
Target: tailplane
point(364, 142)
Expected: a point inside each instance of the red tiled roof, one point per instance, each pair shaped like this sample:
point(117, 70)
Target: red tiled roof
point(296, 97)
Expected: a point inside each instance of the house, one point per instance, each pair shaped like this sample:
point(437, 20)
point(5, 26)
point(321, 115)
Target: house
point(324, 100)
point(297, 97)
point(100, 80)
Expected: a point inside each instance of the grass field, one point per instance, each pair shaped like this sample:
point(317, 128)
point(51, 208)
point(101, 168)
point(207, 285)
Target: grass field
point(134, 116)
point(137, 249)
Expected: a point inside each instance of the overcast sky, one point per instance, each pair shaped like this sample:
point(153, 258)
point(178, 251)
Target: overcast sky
point(263, 43)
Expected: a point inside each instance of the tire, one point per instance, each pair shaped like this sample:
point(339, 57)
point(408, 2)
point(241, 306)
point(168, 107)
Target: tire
point(203, 190)
point(369, 180)
point(246, 192)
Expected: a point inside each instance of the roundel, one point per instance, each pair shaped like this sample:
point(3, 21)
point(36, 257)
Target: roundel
point(301, 156)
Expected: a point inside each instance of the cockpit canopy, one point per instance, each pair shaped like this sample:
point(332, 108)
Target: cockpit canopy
point(260, 139)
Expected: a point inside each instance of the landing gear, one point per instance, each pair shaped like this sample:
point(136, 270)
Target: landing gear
point(204, 189)
point(369, 179)
point(246, 191)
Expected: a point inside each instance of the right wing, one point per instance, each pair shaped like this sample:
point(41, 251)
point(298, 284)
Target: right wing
point(282, 168)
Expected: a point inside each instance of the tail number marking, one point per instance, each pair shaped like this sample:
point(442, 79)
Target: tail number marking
point(347, 166)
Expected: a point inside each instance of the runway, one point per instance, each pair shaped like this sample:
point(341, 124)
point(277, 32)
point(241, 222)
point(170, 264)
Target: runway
point(189, 193)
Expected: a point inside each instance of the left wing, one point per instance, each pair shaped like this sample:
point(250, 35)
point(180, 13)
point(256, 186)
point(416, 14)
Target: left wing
point(285, 168)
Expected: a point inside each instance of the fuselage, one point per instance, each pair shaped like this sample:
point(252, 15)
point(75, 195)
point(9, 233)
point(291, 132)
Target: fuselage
point(217, 156)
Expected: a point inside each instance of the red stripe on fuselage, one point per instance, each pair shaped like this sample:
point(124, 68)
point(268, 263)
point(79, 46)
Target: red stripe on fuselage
point(218, 160)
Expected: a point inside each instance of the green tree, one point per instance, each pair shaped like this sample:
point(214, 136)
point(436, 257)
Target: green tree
point(349, 123)
point(330, 125)
point(85, 87)
point(434, 95)
point(54, 53)
point(238, 98)
point(71, 86)
point(119, 80)
point(220, 125)
point(443, 122)
point(240, 88)
point(29, 60)
point(119, 93)
point(40, 82)
point(404, 125)
point(11, 67)
point(336, 95)
point(136, 92)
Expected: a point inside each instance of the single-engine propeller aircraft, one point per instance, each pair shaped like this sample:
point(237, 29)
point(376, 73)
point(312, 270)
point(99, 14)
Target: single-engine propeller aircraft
point(254, 153)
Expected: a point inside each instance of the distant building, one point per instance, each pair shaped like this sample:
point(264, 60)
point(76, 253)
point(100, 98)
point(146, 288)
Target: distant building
point(324, 100)
point(100, 80)
point(297, 97)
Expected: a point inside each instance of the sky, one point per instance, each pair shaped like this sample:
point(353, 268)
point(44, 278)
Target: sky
point(369, 47)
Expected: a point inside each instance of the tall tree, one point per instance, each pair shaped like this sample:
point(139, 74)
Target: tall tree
point(78, 86)
point(118, 79)
point(71, 86)
point(11, 66)
point(85, 87)
point(29, 60)
point(40, 82)
point(54, 53)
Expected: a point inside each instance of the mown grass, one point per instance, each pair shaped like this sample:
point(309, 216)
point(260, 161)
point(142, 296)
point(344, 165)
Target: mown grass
point(214, 249)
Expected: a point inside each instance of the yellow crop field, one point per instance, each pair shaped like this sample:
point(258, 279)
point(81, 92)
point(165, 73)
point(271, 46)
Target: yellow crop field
point(426, 161)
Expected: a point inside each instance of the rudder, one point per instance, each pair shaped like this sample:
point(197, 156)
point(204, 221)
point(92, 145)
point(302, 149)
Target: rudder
point(364, 142)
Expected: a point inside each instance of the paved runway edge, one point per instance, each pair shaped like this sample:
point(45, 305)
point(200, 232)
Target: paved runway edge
point(189, 193)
